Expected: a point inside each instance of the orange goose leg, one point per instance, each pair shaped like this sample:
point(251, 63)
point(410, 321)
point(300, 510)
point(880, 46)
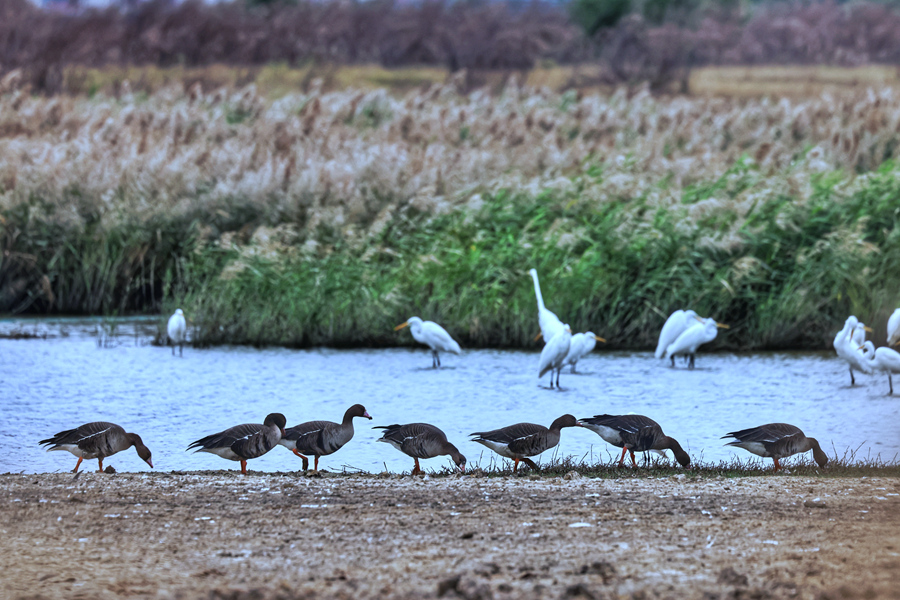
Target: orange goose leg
point(531, 464)
point(78, 464)
point(303, 458)
point(515, 465)
point(777, 466)
point(316, 468)
point(243, 467)
point(633, 463)
point(416, 470)
point(100, 460)
point(622, 460)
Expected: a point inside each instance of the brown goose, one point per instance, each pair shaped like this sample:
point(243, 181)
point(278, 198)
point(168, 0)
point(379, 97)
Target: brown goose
point(421, 440)
point(635, 433)
point(97, 440)
point(243, 442)
point(776, 440)
point(320, 438)
point(524, 439)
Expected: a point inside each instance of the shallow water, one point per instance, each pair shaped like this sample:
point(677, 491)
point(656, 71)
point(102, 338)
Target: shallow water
point(65, 379)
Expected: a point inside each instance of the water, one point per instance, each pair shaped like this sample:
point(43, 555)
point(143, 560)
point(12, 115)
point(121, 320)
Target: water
point(66, 379)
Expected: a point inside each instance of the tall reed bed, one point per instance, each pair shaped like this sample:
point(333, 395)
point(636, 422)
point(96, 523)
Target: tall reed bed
point(326, 218)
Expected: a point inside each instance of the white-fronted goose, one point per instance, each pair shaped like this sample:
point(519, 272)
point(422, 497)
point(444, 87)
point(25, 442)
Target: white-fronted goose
point(524, 439)
point(421, 440)
point(548, 321)
point(97, 440)
point(321, 438)
point(776, 440)
point(692, 338)
point(243, 442)
point(675, 325)
point(580, 345)
point(893, 328)
point(635, 433)
point(177, 330)
point(432, 335)
point(884, 360)
point(847, 344)
point(553, 355)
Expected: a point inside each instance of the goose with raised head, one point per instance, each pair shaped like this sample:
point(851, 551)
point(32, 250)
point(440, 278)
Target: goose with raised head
point(432, 335)
point(97, 440)
point(421, 440)
point(635, 433)
point(522, 440)
point(321, 438)
point(776, 441)
point(244, 442)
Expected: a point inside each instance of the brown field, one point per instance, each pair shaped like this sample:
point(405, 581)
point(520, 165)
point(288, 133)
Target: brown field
point(220, 535)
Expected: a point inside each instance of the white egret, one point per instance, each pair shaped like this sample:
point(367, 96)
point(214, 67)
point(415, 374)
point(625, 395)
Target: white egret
point(432, 335)
point(581, 344)
point(177, 330)
point(885, 360)
point(692, 338)
point(847, 350)
point(549, 322)
point(893, 329)
point(553, 355)
point(677, 323)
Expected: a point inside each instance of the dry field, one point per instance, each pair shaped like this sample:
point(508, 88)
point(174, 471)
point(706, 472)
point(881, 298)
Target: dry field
point(220, 535)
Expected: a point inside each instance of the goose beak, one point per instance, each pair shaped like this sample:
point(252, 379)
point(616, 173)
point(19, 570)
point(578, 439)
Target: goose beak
point(150, 462)
point(367, 415)
point(723, 326)
point(599, 339)
point(401, 326)
point(538, 336)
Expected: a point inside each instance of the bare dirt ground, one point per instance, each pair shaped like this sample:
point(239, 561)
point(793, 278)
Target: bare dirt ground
point(220, 535)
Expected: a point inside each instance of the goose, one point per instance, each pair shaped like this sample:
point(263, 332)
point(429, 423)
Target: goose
point(886, 360)
point(177, 330)
point(321, 438)
point(848, 350)
point(580, 345)
point(776, 440)
point(554, 354)
point(432, 335)
point(893, 329)
point(635, 433)
point(97, 440)
point(243, 442)
point(421, 440)
point(677, 323)
point(548, 321)
point(692, 338)
point(522, 440)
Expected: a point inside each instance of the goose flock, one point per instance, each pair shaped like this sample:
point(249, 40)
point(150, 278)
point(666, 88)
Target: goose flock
point(682, 334)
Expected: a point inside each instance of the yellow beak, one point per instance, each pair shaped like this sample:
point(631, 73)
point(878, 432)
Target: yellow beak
point(401, 326)
point(723, 326)
point(538, 336)
point(599, 339)
point(867, 328)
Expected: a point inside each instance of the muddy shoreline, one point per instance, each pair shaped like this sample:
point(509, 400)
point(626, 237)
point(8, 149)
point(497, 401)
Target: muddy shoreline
point(220, 535)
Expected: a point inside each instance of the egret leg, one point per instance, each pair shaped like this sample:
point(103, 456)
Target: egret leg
point(852, 381)
point(173, 349)
point(437, 355)
point(180, 350)
point(890, 383)
point(691, 363)
point(673, 360)
point(573, 367)
point(558, 371)
point(434, 364)
point(78, 464)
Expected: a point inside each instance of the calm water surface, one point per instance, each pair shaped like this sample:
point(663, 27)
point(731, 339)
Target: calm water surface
point(66, 379)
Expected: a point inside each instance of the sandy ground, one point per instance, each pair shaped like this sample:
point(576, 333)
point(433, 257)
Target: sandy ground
point(220, 535)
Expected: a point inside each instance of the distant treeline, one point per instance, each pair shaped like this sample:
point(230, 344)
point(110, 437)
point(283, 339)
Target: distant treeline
point(653, 40)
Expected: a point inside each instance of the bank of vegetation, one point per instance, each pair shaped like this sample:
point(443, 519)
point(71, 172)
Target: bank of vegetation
point(327, 218)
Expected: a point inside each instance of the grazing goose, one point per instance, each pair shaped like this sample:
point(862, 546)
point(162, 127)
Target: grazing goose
point(553, 355)
point(885, 360)
point(776, 440)
point(548, 321)
point(243, 442)
point(432, 335)
point(677, 323)
point(177, 330)
point(97, 440)
point(893, 329)
point(421, 440)
point(580, 345)
point(635, 433)
point(321, 438)
point(524, 439)
point(848, 349)
point(692, 338)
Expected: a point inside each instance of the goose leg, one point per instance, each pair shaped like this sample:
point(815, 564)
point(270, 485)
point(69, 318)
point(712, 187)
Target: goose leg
point(303, 458)
point(622, 460)
point(243, 467)
point(416, 470)
point(78, 464)
point(100, 461)
point(633, 463)
point(316, 468)
point(515, 465)
point(531, 464)
point(777, 466)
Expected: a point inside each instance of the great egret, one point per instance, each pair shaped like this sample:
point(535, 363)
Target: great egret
point(549, 322)
point(692, 338)
point(522, 440)
point(893, 329)
point(421, 440)
point(97, 440)
point(581, 344)
point(849, 350)
point(885, 360)
point(432, 335)
point(553, 355)
point(177, 330)
point(321, 438)
point(635, 433)
point(776, 440)
point(243, 442)
point(677, 323)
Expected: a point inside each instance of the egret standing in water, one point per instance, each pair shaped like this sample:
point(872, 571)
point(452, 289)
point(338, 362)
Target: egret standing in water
point(693, 337)
point(885, 360)
point(549, 322)
point(177, 330)
point(553, 355)
point(580, 346)
point(893, 329)
point(432, 335)
point(677, 323)
point(848, 349)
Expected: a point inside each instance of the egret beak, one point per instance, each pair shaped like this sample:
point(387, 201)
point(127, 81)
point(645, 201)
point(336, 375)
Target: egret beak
point(897, 343)
point(538, 336)
point(401, 326)
point(723, 326)
point(700, 319)
point(861, 347)
point(867, 328)
point(599, 339)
